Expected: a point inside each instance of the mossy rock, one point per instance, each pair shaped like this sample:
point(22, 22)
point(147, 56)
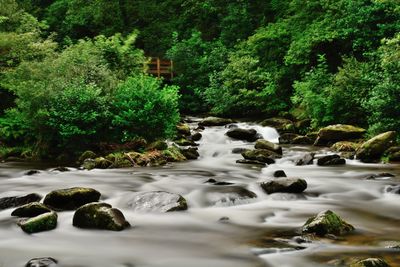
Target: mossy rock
point(371, 262)
point(157, 201)
point(30, 210)
point(158, 145)
point(249, 135)
point(97, 163)
point(287, 138)
point(71, 198)
point(284, 185)
point(183, 129)
point(173, 154)
point(393, 154)
point(325, 223)
point(263, 155)
point(282, 125)
point(40, 223)
point(375, 147)
point(16, 201)
point(119, 160)
point(345, 146)
point(302, 140)
point(338, 132)
point(331, 160)
point(196, 136)
point(87, 155)
point(99, 216)
point(215, 121)
point(184, 142)
point(190, 153)
point(265, 144)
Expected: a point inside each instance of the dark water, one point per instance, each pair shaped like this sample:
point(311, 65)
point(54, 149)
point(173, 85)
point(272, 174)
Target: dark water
point(259, 232)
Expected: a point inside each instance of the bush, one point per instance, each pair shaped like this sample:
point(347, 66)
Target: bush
point(143, 108)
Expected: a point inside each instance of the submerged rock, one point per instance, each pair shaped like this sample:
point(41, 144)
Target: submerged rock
point(223, 194)
point(99, 216)
point(325, 223)
point(71, 198)
point(32, 172)
point(284, 185)
point(371, 262)
point(60, 169)
point(254, 162)
point(374, 148)
point(305, 159)
point(215, 121)
point(338, 132)
point(282, 125)
point(44, 222)
point(30, 210)
point(157, 201)
point(12, 202)
point(41, 262)
point(331, 160)
point(265, 144)
point(249, 135)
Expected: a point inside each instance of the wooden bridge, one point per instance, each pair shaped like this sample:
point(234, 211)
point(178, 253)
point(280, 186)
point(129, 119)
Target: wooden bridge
point(161, 68)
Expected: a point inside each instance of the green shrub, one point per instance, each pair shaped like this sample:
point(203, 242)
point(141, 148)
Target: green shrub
point(143, 108)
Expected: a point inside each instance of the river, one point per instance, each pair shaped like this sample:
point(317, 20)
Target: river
point(259, 231)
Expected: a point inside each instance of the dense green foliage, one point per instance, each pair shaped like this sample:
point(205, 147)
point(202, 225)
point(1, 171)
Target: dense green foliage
point(72, 71)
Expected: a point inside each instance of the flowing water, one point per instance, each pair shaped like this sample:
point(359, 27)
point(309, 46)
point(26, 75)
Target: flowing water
point(259, 231)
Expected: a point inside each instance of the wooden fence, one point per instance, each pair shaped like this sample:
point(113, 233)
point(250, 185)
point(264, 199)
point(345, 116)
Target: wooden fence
point(161, 68)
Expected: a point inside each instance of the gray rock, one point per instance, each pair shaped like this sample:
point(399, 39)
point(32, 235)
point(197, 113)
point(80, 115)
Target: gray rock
point(42, 262)
point(157, 201)
point(249, 135)
point(214, 121)
point(331, 160)
point(305, 159)
point(262, 155)
point(326, 223)
point(71, 198)
point(99, 216)
point(284, 185)
point(279, 173)
point(287, 138)
point(30, 210)
point(12, 202)
point(265, 144)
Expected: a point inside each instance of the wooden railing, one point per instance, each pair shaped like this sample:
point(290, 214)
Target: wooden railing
point(161, 68)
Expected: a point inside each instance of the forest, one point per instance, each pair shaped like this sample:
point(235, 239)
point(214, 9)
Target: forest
point(73, 72)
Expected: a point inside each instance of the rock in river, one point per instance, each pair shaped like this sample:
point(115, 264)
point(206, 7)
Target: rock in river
point(265, 144)
point(12, 202)
point(284, 185)
point(331, 160)
point(157, 201)
point(263, 155)
point(282, 125)
point(214, 121)
point(71, 198)
point(41, 262)
point(249, 135)
point(371, 262)
point(99, 216)
point(338, 132)
point(374, 148)
point(44, 222)
point(327, 222)
point(30, 210)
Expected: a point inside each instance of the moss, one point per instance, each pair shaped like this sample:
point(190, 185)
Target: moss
point(173, 154)
point(183, 129)
point(158, 145)
point(87, 155)
point(325, 223)
point(43, 222)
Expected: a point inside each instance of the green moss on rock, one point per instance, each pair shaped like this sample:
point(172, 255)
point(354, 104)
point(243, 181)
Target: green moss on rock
point(375, 147)
point(40, 223)
point(30, 210)
point(325, 223)
point(71, 198)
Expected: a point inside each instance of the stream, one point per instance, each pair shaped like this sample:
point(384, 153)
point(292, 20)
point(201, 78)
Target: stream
point(220, 228)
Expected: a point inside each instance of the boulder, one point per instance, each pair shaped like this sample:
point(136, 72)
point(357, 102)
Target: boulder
point(331, 160)
point(263, 155)
point(173, 154)
point(345, 146)
point(279, 173)
point(157, 145)
point(305, 159)
point(99, 216)
point(42, 262)
point(196, 136)
point(254, 162)
point(71, 198)
point(214, 121)
point(284, 185)
point(325, 223)
point(374, 148)
point(183, 129)
point(393, 154)
point(265, 144)
point(157, 201)
point(239, 150)
point(302, 140)
point(190, 153)
point(287, 138)
point(224, 194)
point(282, 125)
point(12, 202)
point(87, 155)
point(97, 163)
point(30, 210)
point(249, 135)
point(339, 132)
point(44, 222)
point(371, 262)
